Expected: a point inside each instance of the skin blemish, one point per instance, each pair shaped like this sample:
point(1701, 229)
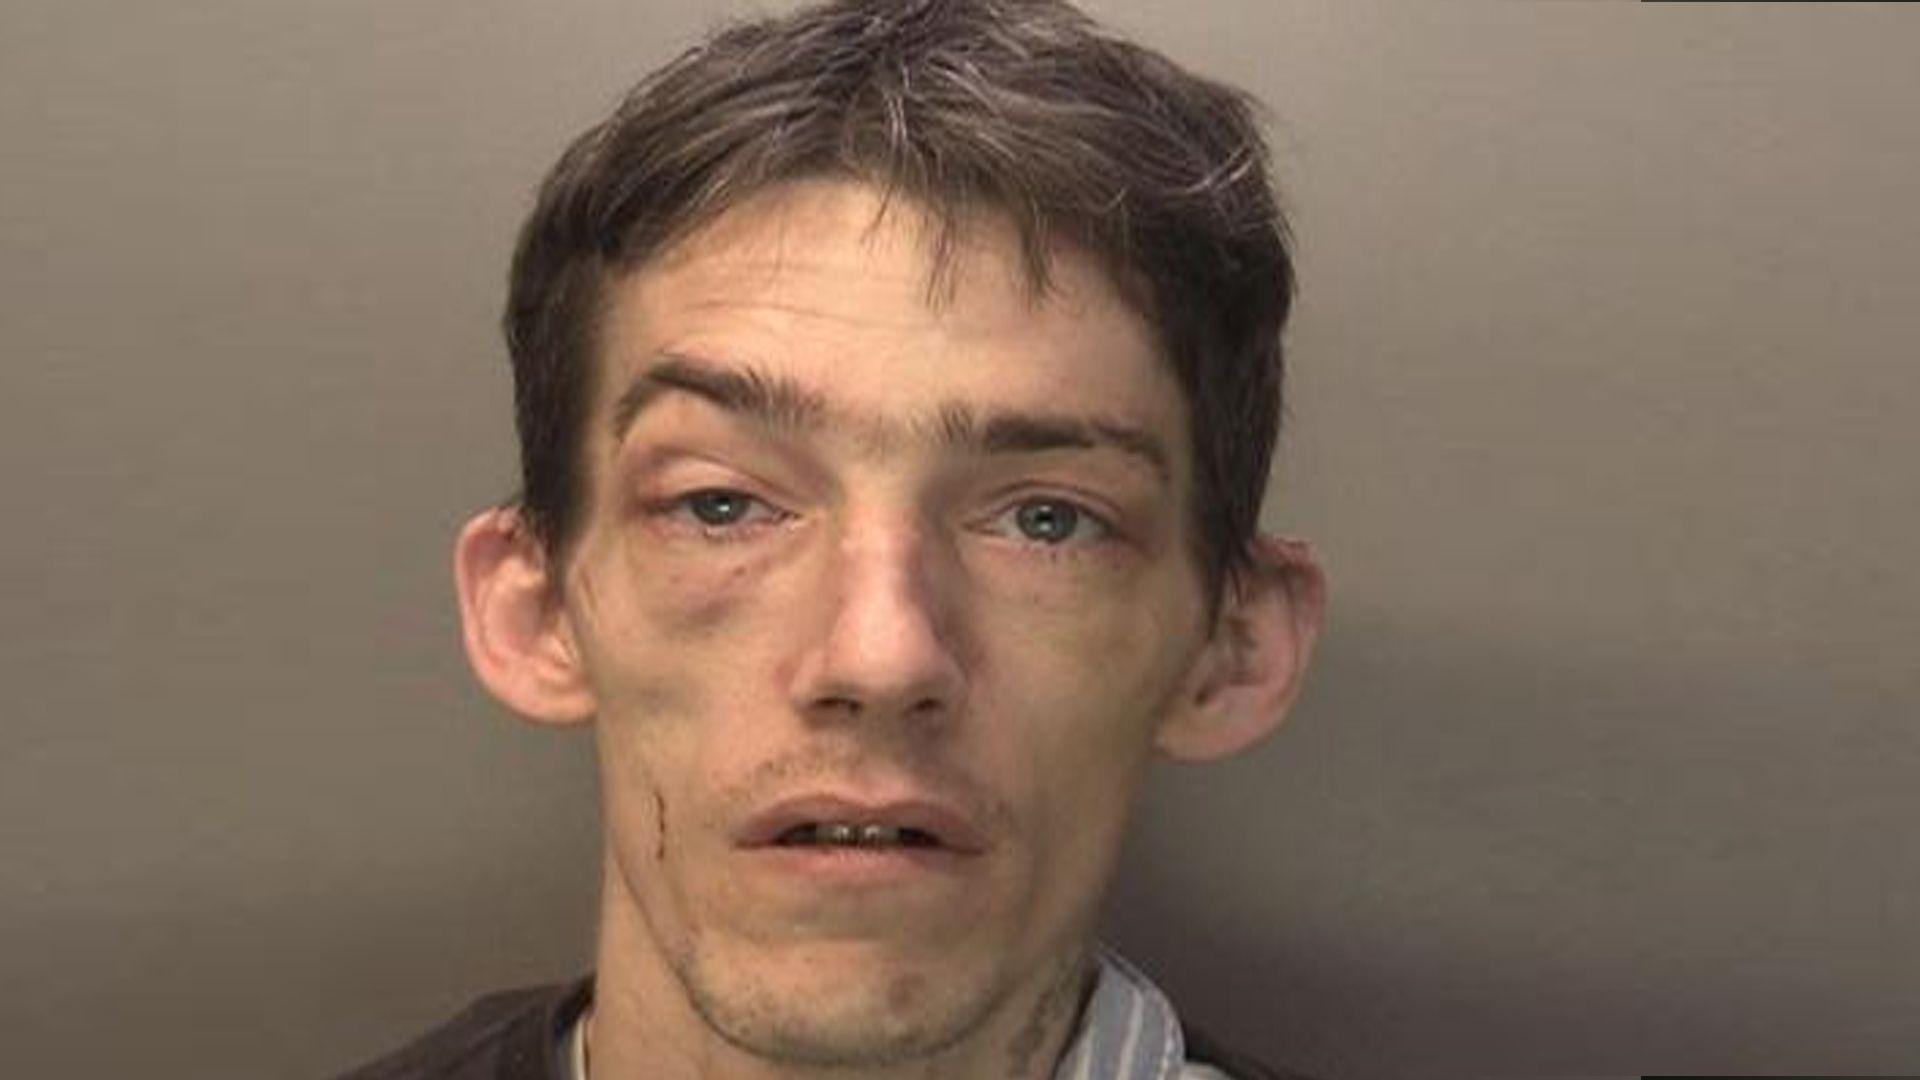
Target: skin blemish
point(660, 818)
point(694, 606)
point(904, 993)
point(707, 615)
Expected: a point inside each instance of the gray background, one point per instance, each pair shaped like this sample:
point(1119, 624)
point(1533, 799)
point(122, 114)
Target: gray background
point(1603, 417)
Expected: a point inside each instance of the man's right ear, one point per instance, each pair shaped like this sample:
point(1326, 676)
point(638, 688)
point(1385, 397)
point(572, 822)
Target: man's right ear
point(517, 635)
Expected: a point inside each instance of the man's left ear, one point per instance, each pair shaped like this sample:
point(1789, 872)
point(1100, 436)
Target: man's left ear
point(1250, 671)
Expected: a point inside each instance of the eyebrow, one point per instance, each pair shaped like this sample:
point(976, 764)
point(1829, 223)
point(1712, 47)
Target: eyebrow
point(784, 405)
point(772, 400)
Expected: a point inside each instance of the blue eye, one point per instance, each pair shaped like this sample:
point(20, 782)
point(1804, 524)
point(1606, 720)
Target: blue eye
point(1054, 522)
point(715, 513)
point(718, 507)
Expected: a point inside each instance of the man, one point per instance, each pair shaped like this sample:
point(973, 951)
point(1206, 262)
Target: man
point(896, 383)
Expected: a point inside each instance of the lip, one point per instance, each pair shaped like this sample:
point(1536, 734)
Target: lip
point(952, 827)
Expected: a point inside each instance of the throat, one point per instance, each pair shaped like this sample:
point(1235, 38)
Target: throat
point(1044, 1040)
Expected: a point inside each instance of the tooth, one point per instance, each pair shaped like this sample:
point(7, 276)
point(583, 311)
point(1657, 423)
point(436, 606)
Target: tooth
point(853, 834)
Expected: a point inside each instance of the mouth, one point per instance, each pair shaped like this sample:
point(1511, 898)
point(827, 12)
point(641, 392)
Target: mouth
point(831, 823)
point(857, 835)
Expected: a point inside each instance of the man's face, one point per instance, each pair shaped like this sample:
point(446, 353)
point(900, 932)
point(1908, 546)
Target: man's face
point(866, 548)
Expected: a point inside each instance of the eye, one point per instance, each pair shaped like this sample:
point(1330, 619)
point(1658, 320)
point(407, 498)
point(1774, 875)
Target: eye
point(718, 507)
point(1053, 522)
point(717, 513)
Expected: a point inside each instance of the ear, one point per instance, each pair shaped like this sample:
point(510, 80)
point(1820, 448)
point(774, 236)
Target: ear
point(1251, 670)
point(518, 639)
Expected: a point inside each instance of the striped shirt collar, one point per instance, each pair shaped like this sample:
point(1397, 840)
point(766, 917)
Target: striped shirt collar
point(1128, 1030)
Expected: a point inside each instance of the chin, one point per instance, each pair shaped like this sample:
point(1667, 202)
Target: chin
point(838, 1004)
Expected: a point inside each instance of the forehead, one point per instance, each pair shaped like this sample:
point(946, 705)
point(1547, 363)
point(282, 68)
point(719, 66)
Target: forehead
point(833, 288)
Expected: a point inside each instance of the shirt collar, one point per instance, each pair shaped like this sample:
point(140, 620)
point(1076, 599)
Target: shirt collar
point(1127, 1031)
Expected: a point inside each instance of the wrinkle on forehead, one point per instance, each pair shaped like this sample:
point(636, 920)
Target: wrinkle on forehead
point(971, 272)
point(774, 230)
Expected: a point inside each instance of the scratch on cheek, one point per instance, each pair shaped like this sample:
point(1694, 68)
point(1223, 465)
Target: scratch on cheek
point(660, 827)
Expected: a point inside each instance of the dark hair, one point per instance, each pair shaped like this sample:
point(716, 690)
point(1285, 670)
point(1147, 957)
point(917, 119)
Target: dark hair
point(1023, 108)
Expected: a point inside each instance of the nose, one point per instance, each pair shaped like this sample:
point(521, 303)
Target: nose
point(885, 645)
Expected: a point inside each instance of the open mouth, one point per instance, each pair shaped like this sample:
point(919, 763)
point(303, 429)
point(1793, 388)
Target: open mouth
point(829, 822)
point(843, 834)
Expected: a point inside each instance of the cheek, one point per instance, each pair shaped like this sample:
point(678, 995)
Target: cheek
point(1089, 694)
point(1108, 652)
point(655, 623)
point(689, 602)
point(665, 642)
point(714, 604)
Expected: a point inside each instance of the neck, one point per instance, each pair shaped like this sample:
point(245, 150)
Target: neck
point(643, 1025)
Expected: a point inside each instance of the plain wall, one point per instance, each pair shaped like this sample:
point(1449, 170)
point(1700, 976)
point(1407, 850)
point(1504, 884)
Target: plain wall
point(1603, 417)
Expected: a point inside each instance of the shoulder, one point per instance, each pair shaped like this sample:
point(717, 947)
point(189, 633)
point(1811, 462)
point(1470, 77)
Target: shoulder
point(510, 1034)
